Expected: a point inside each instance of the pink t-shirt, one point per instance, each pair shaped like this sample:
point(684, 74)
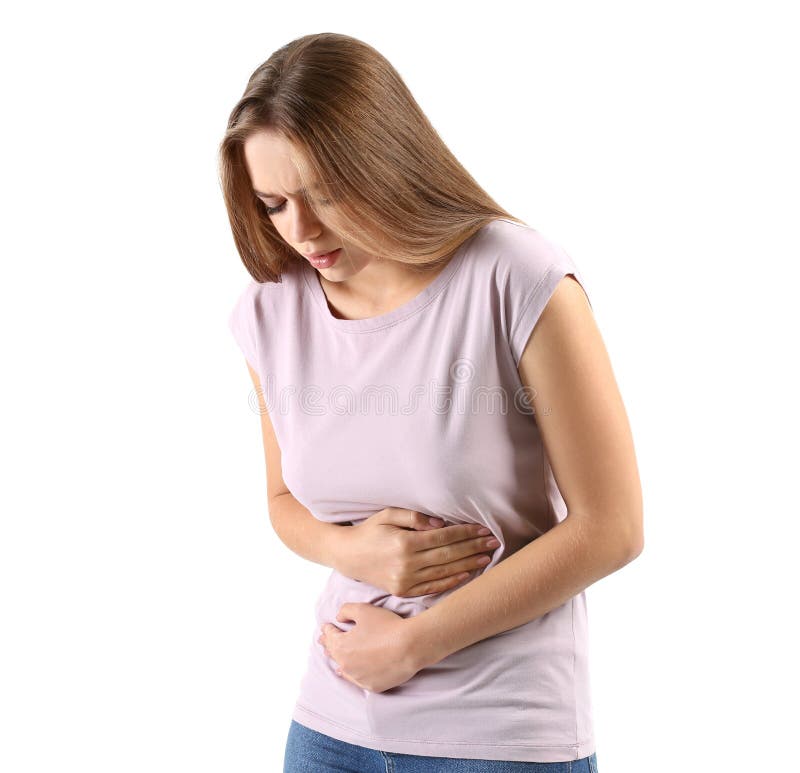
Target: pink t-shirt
point(423, 408)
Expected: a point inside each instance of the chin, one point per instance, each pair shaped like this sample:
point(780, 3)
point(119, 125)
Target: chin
point(338, 273)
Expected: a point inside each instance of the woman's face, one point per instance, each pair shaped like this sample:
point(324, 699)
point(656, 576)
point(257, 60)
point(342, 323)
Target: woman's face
point(277, 184)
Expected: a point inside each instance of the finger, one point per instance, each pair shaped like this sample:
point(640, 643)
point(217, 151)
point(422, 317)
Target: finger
point(447, 554)
point(411, 519)
point(437, 586)
point(448, 535)
point(438, 572)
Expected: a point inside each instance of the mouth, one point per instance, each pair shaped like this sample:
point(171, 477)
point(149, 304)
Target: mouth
point(325, 261)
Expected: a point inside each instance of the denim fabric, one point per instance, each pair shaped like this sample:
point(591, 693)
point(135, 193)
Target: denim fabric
point(308, 751)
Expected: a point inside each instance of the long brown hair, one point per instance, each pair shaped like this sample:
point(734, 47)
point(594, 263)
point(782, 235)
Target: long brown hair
point(388, 183)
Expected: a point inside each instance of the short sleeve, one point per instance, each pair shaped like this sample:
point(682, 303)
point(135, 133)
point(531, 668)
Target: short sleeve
point(242, 323)
point(536, 266)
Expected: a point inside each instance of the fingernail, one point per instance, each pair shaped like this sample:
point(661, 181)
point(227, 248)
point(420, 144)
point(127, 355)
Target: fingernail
point(484, 530)
point(436, 521)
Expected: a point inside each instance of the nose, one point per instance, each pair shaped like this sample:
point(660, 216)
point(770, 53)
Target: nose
point(303, 225)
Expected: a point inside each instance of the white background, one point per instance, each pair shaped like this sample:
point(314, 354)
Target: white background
point(151, 619)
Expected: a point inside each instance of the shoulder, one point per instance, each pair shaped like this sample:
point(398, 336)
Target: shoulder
point(517, 251)
point(255, 295)
point(523, 267)
point(258, 307)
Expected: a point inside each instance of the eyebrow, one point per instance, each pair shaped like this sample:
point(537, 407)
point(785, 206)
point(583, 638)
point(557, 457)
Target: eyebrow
point(275, 195)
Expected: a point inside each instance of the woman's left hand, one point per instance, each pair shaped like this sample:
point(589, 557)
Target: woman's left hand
point(376, 653)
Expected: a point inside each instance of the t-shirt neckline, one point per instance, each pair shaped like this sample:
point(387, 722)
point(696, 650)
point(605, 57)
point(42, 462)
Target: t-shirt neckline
point(405, 310)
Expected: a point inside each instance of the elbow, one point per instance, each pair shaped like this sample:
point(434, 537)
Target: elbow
point(634, 550)
point(632, 528)
point(619, 537)
point(633, 541)
point(629, 539)
point(625, 552)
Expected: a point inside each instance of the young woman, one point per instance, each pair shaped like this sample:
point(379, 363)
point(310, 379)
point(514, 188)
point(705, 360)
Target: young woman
point(441, 426)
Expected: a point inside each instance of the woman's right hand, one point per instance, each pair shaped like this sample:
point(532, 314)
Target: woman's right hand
point(400, 551)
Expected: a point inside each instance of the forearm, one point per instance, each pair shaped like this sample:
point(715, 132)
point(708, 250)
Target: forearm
point(539, 577)
point(304, 534)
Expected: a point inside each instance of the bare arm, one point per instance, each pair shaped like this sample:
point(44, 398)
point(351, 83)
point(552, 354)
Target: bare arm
point(588, 441)
point(304, 534)
point(296, 527)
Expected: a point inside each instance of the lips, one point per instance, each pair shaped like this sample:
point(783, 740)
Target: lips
point(321, 254)
point(324, 260)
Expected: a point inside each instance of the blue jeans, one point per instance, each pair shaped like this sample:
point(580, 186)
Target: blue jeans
point(308, 751)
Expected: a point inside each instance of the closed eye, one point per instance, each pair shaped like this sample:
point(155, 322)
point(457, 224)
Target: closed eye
point(274, 210)
point(280, 207)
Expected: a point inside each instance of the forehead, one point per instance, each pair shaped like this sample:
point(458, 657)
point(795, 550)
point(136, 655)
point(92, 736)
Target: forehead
point(270, 164)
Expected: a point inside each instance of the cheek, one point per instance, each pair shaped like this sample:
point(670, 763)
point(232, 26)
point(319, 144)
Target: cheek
point(282, 231)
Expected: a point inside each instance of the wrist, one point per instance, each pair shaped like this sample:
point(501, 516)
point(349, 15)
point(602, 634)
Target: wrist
point(424, 647)
point(339, 534)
